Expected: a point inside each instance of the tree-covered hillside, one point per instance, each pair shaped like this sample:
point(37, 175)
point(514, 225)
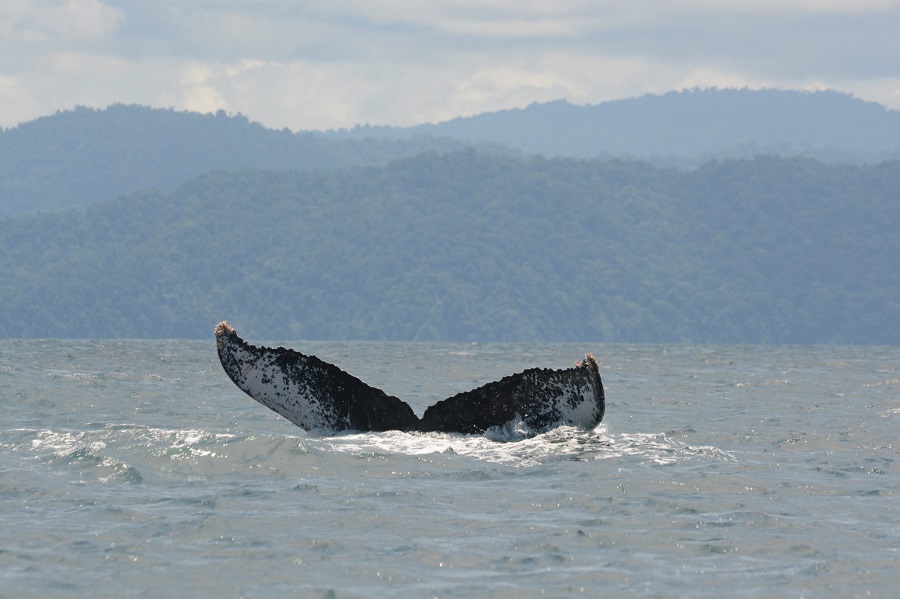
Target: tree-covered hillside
point(74, 158)
point(77, 157)
point(470, 246)
point(683, 128)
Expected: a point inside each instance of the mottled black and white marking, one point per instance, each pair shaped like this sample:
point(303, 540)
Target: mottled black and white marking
point(318, 396)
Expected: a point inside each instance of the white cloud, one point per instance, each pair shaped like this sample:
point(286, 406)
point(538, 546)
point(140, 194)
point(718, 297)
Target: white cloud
point(42, 21)
point(345, 62)
point(82, 65)
point(784, 7)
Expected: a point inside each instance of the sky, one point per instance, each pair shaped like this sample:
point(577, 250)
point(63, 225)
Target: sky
point(333, 64)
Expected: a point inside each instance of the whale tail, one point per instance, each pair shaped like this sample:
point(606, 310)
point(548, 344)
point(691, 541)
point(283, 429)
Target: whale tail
point(313, 394)
point(316, 395)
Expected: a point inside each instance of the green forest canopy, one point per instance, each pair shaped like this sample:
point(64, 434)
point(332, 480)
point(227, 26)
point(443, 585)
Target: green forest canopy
point(470, 246)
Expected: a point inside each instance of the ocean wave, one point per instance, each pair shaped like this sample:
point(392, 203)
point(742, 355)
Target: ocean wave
point(125, 452)
point(509, 448)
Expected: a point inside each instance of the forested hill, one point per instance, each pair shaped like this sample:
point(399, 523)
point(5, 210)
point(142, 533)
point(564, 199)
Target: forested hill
point(683, 128)
point(475, 247)
point(74, 158)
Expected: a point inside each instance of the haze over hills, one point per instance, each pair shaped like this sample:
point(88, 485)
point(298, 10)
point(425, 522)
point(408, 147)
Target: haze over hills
point(74, 158)
point(139, 222)
point(683, 128)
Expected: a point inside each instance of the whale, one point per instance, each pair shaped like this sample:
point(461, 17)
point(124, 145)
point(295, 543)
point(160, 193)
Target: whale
point(320, 397)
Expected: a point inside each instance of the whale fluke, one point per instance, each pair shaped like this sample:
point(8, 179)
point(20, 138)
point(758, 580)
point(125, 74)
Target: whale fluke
point(542, 398)
point(316, 395)
point(313, 394)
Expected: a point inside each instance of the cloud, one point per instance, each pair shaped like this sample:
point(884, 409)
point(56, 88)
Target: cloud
point(32, 22)
point(337, 64)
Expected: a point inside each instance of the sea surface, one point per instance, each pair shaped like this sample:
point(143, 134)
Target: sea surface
point(136, 468)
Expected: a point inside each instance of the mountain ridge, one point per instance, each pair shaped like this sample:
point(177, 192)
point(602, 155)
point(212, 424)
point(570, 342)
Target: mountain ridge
point(709, 123)
point(73, 158)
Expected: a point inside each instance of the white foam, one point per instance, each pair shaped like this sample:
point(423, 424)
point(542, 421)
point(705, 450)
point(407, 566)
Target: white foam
point(507, 445)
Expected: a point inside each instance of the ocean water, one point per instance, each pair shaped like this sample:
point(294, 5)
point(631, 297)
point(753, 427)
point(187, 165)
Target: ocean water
point(135, 468)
